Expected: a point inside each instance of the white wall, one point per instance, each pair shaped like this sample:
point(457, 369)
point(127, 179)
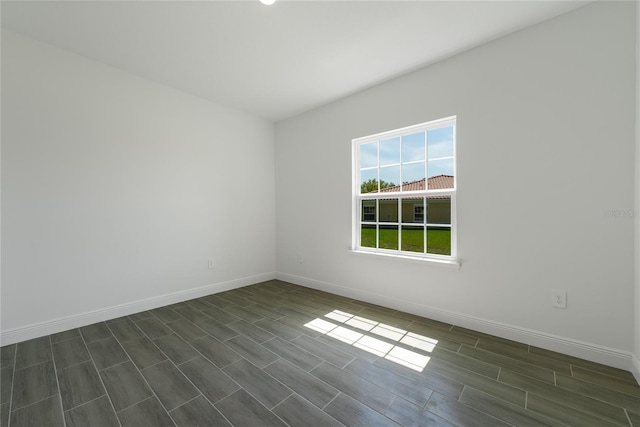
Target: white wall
point(117, 190)
point(545, 147)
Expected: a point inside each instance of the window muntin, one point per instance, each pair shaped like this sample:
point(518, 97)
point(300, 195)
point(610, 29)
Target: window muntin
point(404, 191)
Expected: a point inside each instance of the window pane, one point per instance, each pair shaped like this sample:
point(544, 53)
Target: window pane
point(369, 155)
point(390, 151)
point(413, 177)
point(440, 169)
point(439, 210)
point(389, 176)
point(412, 238)
point(413, 147)
point(388, 237)
point(413, 211)
point(369, 181)
point(389, 210)
point(368, 211)
point(440, 142)
point(439, 240)
point(368, 236)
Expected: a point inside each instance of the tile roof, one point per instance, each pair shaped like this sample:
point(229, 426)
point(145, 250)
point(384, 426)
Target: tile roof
point(438, 182)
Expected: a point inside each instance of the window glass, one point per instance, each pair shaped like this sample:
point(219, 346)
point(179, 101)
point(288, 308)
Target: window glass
point(405, 194)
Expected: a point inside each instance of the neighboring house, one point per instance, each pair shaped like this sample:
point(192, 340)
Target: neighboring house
point(437, 211)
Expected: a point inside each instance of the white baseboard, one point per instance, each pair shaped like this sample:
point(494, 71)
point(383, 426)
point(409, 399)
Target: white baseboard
point(636, 367)
point(88, 318)
point(584, 350)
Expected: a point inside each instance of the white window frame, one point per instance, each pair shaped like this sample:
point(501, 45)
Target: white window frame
point(357, 197)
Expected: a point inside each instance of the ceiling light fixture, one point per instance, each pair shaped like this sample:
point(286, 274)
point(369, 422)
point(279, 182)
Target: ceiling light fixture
point(267, 2)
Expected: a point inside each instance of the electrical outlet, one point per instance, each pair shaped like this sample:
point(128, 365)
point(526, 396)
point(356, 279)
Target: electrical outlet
point(559, 298)
point(300, 258)
point(211, 264)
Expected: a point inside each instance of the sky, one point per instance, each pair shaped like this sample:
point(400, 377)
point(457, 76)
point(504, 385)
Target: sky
point(406, 155)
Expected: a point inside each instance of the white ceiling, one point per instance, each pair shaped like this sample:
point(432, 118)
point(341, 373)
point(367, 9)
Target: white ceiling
point(273, 61)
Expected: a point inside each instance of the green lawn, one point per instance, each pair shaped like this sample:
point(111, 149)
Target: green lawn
point(438, 241)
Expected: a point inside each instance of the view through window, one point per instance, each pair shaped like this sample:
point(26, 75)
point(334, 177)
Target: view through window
point(404, 191)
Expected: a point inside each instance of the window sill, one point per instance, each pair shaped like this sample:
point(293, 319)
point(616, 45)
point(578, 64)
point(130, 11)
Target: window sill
point(452, 263)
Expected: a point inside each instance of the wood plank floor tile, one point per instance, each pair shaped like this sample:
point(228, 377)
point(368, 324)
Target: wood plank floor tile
point(8, 356)
point(33, 384)
point(220, 315)
point(564, 414)
point(460, 414)
point(407, 414)
point(107, 352)
point(371, 395)
point(258, 383)
point(477, 381)
point(292, 353)
point(98, 412)
point(198, 412)
point(306, 385)
point(176, 349)
point(95, 332)
point(70, 352)
point(252, 351)
point(607, 381)
point(186, 330)
point(125, 385)
point(502, 410)
point(170, 385)
point(6, 384)
point(568, 398)
point(79, 384)
point(296, 411)
point(148, 413)
point(217, 330)
point(243, 410)
point(212, 382)
point(351, 412)
point(65, 335)
point(515, 365)
point(467, 362)
point(153, 328)
point(323, 351)
point(252, 331)
point(604, 394)
point(409, 389)
point(215, 351)
point(33, 352)
point(596, 367)
point(143, 352)
point(248, 356)
point(47, 412)
point(278, 329)
point(125, 330)
point(165, 314)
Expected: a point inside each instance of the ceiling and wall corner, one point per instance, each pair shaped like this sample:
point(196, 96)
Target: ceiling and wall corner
point(278, 61)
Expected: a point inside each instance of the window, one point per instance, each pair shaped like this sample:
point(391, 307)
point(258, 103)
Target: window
point(418, 213)
point(405, 191)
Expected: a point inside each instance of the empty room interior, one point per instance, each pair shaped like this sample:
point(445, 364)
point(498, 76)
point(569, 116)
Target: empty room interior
point(357, 213)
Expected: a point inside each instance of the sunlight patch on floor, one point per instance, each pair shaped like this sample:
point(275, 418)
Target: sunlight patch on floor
point(371, 344)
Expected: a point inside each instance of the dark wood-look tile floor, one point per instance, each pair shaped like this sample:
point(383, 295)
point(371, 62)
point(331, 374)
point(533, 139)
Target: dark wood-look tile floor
point(280, 354)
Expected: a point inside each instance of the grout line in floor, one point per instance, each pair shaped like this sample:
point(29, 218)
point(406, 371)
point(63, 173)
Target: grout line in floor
point(55, 372)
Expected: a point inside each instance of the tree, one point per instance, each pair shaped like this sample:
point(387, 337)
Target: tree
point(371, 186)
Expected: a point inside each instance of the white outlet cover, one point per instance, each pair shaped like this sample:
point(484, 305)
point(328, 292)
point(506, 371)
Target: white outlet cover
point(559, 298)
